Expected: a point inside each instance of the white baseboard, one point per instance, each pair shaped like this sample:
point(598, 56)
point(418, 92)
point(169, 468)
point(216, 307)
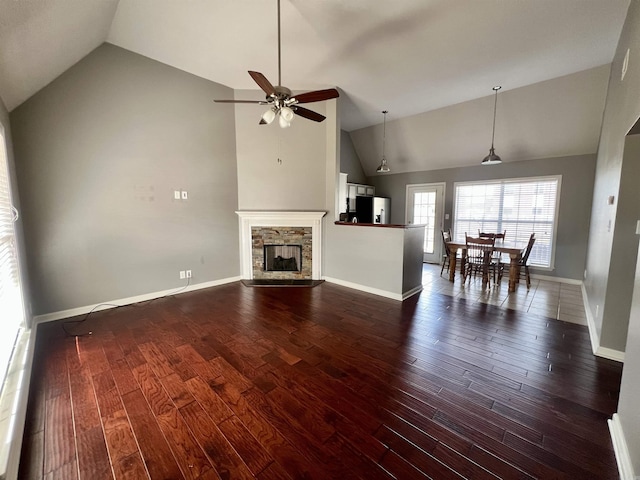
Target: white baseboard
point(599, 351)
point(548, 278)
point(623, 459)
point(412, 292)
point(73, 312)
point(364, 288)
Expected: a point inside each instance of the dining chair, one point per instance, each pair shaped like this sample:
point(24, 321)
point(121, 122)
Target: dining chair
point(446, 260)
point(495, 259)
point(497, 236)
point(479, 256)
point(523, 264)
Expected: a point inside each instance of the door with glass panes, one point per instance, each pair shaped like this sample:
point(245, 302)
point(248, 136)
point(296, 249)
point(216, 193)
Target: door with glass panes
point(425, 206)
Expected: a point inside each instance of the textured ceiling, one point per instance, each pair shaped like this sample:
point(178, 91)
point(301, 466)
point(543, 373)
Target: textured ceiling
point(406, 56)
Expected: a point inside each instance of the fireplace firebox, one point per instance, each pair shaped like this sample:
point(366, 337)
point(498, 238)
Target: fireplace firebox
point(282, 258)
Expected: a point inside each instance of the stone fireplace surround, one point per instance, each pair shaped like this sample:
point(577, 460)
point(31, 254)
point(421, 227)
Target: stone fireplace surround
point(251, 219)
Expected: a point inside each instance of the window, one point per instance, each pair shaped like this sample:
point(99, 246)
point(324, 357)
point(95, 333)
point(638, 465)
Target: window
point(520, 206)
point(10, 292)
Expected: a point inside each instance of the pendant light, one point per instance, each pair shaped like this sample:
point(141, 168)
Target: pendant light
point(384, 168)
point(492, 158)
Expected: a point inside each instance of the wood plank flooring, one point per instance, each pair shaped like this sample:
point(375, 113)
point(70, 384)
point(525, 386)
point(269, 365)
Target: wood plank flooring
point(318, 383)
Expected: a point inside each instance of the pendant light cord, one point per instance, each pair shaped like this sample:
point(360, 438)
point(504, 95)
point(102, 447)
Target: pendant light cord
point(495, 105)
point(384, 131)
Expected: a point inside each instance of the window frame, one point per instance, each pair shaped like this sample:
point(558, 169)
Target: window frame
point(502, 181)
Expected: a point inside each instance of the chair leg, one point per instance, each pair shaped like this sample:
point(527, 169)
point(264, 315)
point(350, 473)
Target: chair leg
point(526, 271)
point(444, 262)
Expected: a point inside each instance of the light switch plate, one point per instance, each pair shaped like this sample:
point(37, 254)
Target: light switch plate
point(184, 195)
point(176, 194)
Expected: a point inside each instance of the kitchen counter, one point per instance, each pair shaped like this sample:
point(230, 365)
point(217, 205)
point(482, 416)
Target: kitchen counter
point(379, 225)
point(385, 259)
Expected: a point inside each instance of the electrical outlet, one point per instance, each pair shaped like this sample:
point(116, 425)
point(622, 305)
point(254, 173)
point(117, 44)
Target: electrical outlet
point(185, 196)
point(176, 194)
point(188, 273)
point(183, 275)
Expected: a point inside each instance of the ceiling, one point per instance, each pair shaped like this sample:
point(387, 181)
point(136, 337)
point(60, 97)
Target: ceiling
point(405, 56)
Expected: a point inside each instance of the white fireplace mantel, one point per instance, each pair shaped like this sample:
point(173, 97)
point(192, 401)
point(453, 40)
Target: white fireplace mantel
point(250, 219)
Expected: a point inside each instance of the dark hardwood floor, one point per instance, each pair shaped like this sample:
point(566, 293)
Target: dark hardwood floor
point(324, 382)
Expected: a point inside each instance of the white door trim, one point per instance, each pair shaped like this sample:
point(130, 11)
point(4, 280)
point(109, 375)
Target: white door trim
point(439, 217)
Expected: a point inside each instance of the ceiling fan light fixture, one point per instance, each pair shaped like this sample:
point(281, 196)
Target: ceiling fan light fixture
point(492, 158)
point(269, 116)
point(286, 113)
point(283, 122)
point(384, 168)
point(280, 99)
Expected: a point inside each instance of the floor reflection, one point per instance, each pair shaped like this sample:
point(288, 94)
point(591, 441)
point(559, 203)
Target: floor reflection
point(549, 299)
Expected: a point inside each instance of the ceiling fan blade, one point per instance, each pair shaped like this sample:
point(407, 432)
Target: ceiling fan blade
point(309, 114)
point(263, 83)
point(317, 95)
point(258, 102)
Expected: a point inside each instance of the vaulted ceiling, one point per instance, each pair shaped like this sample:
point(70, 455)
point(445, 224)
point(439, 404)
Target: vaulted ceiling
point(406, 56)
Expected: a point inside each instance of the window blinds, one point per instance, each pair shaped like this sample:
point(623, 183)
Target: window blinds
point(519, 206)
point(12, 316)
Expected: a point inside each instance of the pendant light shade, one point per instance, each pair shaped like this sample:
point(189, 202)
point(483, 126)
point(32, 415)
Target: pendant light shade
point(492, 158)
point(384, 168)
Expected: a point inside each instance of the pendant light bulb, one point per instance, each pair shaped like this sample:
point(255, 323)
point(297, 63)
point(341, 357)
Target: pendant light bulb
point(492, 158)
point(384, 168)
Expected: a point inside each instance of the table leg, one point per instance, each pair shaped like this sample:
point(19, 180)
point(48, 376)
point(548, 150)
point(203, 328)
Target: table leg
point(514, 271)
point(452, 264)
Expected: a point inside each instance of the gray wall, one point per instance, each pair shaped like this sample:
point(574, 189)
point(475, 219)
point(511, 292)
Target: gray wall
point(99, 152)
point(297, 181)
point(630, 384)
point(604, 274)
point(349, 160)
point(575, 198)
point(626, 249)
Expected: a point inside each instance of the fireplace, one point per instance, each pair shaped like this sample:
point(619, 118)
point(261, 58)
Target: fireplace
point(282, 258)
point(300, 229)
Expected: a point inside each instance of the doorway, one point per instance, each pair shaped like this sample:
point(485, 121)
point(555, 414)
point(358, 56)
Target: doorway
point(425, 206)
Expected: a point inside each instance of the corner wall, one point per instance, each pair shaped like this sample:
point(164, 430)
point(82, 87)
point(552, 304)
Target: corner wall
point(605, 274)
point(279, 168)
point(99, 153)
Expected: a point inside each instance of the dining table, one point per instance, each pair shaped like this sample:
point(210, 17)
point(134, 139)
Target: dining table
point(513, 249)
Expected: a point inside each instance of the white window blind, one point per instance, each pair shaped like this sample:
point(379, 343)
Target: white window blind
point(519, 206)
point(12, 313)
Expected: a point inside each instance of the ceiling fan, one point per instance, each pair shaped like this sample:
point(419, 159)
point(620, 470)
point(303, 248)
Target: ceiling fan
point(281, 102)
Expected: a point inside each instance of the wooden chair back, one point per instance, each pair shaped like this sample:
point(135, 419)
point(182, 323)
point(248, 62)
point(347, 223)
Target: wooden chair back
point(479, 250)
point(497, 236)
point(527, 251)
point(446, 237)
